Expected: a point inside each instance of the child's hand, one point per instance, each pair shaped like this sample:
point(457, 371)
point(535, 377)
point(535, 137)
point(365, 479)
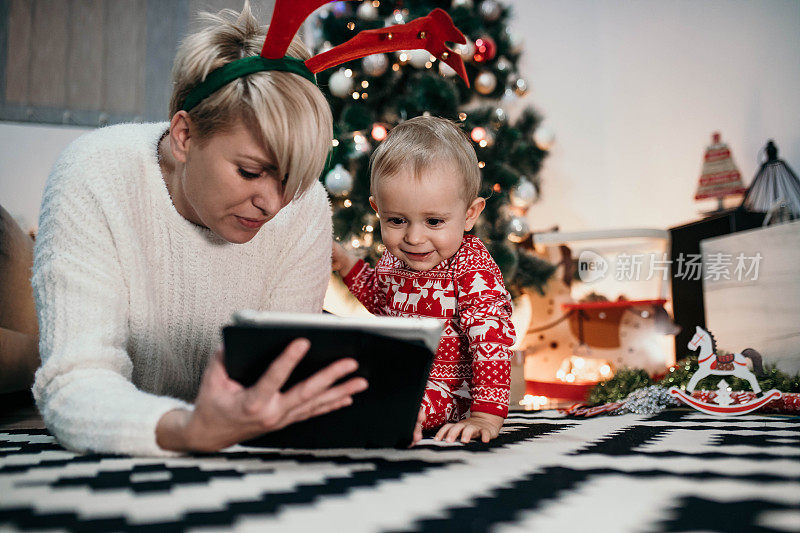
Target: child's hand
point(478, 425)
point(341, 261)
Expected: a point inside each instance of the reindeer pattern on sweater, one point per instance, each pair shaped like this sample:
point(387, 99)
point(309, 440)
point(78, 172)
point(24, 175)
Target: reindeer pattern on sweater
point(472, 368)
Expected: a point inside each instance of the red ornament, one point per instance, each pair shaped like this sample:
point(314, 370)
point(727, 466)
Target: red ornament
point(485, 49)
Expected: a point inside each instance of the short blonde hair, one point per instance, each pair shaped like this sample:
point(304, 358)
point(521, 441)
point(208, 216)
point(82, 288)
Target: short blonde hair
point(288, 114)
point(421, 142)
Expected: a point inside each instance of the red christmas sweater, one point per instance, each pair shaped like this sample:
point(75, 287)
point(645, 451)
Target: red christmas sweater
point(472, 369)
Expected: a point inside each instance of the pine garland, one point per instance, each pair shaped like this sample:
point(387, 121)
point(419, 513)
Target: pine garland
point(624, 382)
point(627, 380)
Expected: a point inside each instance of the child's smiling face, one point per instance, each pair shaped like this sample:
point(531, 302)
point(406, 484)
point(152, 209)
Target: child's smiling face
point(423, 219)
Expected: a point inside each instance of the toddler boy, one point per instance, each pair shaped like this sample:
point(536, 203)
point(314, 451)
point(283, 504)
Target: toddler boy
point(424, 183)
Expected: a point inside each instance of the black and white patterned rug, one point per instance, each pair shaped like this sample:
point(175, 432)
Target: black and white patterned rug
point(677, 471)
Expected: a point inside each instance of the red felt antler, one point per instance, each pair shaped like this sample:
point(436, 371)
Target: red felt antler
point(425, 33)
point(287, 17)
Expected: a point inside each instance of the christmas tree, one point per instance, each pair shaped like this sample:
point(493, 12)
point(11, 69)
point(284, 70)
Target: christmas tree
point(371, 95)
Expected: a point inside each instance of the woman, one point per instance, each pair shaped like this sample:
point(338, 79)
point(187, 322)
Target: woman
point(151, 235)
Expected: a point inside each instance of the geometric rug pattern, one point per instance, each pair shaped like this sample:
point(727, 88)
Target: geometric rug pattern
point(676, 471)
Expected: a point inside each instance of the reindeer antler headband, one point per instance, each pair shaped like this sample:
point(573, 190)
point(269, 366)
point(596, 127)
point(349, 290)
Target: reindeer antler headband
point(426, 33)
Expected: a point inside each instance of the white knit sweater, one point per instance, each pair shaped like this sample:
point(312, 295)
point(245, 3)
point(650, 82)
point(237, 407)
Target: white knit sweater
point(131, 296)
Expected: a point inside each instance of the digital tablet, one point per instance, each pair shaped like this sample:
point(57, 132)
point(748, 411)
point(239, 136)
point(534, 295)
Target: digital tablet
point(394, 355)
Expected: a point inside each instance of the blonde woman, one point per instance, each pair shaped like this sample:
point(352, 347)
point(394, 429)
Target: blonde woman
point(151, 235)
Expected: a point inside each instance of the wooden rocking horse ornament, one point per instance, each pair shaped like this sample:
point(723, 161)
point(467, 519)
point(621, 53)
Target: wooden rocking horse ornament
point(723, 365)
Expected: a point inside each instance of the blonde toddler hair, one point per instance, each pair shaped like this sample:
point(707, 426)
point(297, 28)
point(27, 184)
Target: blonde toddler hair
point(287, 113)
point(422, 142)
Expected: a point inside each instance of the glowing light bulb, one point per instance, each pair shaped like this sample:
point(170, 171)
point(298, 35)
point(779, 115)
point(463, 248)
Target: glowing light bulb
point(379, 132)
point(526, 400)
point(478, 134)
point(541, 401)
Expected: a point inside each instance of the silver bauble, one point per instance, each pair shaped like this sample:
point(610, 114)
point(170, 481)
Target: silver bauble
point(490, 10)
point(518, 229)
point(523, 194)
point(544, 138)
point(340, 84)
point(485, 82)
point(339, 181)
point(466, 51)
point(375, 65)
point(418, 58)
point(462, 3)
point(367, 11)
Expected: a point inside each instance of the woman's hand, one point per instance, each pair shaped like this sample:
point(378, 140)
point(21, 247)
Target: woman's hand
point(484, 426)
point(226, 413)
point(418, 426)
point(341, 261)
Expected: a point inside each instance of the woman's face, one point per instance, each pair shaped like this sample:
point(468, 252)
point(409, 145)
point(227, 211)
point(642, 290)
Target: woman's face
point(230, 185)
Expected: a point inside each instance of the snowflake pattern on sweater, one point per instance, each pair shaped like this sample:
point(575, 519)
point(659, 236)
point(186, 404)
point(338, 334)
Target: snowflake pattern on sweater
point(472, 369)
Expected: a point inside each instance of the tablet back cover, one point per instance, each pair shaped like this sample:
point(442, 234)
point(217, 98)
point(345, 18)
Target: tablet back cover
point(382, 416)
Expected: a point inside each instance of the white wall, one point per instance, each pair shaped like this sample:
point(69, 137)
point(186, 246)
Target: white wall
point(27, 152)
point(633, 91)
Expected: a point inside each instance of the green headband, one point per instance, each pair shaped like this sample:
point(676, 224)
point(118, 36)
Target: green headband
point(242, 67)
